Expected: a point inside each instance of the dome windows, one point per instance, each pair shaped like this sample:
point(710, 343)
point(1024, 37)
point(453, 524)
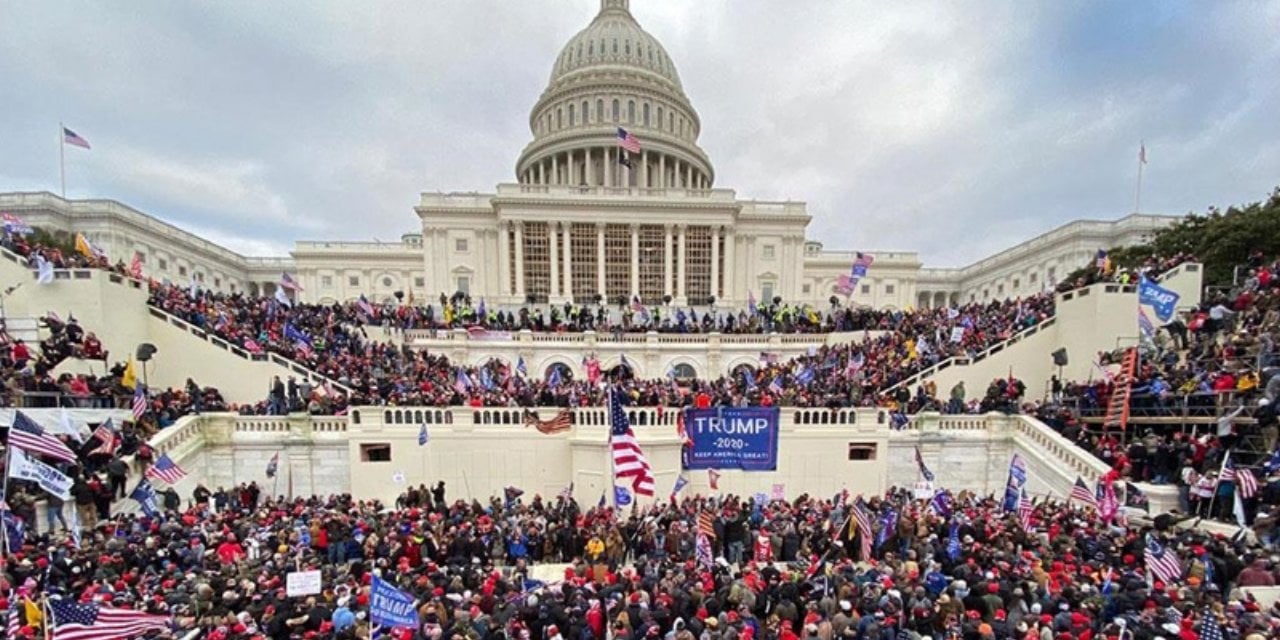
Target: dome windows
point(599, 110)
point(585, 112)
point(616, 112)
point(631, 111)
point(646, 114)
point(571, 120)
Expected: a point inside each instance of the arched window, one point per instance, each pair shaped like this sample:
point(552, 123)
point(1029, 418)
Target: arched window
point(559, 119)
point(571, 120)
point(561, 369)
point(599, 110)
point(671, 122)
point(631, 111)
point(591, 48)
point(615, 47)
point(683, 371)
point(585, 112)
point(616, 111)
point(645, 110)
point(659, 116)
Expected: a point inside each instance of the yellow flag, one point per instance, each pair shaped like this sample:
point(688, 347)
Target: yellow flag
point(130, 377)
point(911, 350)
point(82, 245)
point(33, 612)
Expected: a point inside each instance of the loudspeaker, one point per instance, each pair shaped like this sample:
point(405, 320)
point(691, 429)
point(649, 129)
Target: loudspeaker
point(1060, 357)
point(145, 351)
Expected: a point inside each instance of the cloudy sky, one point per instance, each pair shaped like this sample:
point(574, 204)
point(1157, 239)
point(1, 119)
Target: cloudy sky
point(954, 129)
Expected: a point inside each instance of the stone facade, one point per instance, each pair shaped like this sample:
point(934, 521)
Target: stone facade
point(587, 220)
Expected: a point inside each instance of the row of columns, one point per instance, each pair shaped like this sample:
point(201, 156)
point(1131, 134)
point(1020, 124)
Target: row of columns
point(579, 168)
point(670, 260)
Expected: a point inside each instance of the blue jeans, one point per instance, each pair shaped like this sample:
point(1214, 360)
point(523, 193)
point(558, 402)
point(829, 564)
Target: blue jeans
point(54, 512)
point(735, 552)
point(337, 553)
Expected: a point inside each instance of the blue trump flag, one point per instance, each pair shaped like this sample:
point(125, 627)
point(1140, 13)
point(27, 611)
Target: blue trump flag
point(145, 495)
point(1160, 299)
point(621, 497)
point(391, 606)
point(423, 436)
point(743, 438)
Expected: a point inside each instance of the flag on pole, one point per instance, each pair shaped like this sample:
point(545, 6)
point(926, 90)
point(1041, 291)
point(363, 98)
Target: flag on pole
point(129, 379)
point(1080, 491)
point(139, 402)
point(713, 478)
point(15, 225)
point(1142, 153)
point(621, 496)
point(165, 469)
point(629, 460)
point(72, 138)
point(25, 434)
point(91, 621)
point(1025, 512)
point(628, 141)
point(273, 465)
point(1135, 497)
point(567, 492)
point(681, 482)
point(1162, 562)
point(106, 435)
point(863, 520)
point(287, 281)
point(423, 436)
point(135, 266)
point(924, 471)
point(145, 495)
point(44, 270)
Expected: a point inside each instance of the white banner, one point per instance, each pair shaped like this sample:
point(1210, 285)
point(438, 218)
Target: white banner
point(27, 468)
point(302, 583)
point(957, 334)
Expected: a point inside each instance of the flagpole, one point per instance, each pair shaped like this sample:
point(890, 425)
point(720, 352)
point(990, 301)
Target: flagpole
point(62, 158)
point(1137, 201)
point(4, 497)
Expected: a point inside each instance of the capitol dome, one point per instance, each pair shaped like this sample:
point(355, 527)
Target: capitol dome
point(614, 75)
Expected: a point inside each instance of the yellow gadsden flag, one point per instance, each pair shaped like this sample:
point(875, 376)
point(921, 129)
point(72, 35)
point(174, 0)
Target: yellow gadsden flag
point(33, 612)
point(84, 247)
point(130, 377)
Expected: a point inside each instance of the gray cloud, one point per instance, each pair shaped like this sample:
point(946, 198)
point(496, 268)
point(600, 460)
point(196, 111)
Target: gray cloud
point(954, 129)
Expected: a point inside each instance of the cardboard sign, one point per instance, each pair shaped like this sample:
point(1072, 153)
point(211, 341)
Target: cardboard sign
point(302, 583)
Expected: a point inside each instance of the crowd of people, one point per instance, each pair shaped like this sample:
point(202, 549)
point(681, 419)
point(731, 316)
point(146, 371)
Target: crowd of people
point(1208, 379)
point(333, 341)
point(698, 568)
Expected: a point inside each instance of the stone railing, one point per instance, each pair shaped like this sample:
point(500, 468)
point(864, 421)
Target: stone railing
point(962, 361)
point(292, 365)
point(763, 340)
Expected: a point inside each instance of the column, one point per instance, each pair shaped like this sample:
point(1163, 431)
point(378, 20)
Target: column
point(520, 260)
point(730, 269)
point(568, 261)
point(666, 261)
point(635, 260)
point(540, 174)
point(644, 168)
point(555, 169)
point(504, 258)
point(689, 178)
point(681, 266)
point(715, 262)
point(662, 171)
point(607, 167)
point(590, 169)
point(600, 288)
point(553, 238)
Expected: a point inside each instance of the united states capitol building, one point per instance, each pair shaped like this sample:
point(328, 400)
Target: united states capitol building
point(585, 221)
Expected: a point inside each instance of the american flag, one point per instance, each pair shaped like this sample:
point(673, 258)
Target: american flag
point(863, 520)
point(1025, 511)
point(628, 141)
point(13, 625)
point(1243, 478)
point(629, 460)
point(273, 465)
point(1163, 563)
point(562, 421)
point(25, 434)
point(139, 402)
point(1209, 627)
point(135, 265)
point(72, 138)
point(1142, 153)
point(106, 436)
point(165, 469)
point(924, 471)
point(706, 524)
point(289, 283)
point(73, 621)
point(1080, 491)
point(702, 550)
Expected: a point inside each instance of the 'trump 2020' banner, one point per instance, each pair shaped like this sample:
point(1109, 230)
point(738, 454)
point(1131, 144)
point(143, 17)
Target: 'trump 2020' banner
point(743, 438)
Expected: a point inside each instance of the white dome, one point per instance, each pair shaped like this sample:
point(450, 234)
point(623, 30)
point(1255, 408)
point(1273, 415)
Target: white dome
point(615, 39)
